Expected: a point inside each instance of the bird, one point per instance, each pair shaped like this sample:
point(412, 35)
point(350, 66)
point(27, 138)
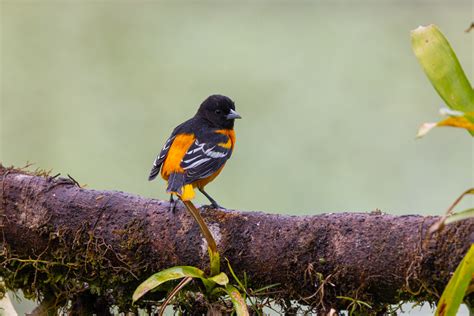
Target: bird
point(197, 150)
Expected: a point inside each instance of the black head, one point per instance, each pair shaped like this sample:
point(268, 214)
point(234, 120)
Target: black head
point(219, 110)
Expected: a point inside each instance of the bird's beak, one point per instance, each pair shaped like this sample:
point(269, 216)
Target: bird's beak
point(233, 115)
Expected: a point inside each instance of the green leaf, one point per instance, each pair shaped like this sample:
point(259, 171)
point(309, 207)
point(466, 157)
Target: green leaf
point(242, 287)
point(459, 216)
point(215, 261)
point(220, 279)
point(166, 275)
point(265, 288)
point(444, 71)
point(239, 303)
point(442, 67)
point(454, 292)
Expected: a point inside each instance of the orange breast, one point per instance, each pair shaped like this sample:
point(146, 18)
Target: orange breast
point(179, 148)
point(229, 133)
point(175, 154)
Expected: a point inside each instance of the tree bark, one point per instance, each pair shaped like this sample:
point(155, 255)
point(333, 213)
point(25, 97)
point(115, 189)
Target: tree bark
point(62, 241)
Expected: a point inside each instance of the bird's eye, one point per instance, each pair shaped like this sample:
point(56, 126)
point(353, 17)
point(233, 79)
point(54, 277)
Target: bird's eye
point(217, 111)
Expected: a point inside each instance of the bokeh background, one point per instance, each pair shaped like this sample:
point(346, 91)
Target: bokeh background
point(330, 93)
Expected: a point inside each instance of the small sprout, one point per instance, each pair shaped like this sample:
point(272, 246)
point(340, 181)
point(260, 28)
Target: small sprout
point(215, 285)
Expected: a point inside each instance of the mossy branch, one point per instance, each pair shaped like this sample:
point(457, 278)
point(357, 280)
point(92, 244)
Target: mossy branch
point(69, 243)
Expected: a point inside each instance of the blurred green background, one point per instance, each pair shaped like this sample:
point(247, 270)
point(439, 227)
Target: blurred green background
point(330, 92)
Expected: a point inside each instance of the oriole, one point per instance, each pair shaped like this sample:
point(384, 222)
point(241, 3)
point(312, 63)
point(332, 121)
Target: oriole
point(198, 149)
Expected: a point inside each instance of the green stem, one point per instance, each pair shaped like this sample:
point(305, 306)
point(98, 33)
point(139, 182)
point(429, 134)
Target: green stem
point(214, 257)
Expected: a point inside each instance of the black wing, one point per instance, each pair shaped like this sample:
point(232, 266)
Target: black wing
point(203, 159)
point(160, 158)
point(181, 128)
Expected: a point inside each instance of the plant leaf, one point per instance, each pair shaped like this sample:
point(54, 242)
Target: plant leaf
point(262, 289)
point(220, 279)
point(454, 292)
point(214, 261)
point(237, 300)
point(166, 275)
point(441, 222)
point(459, 216)
point(242, 287)
point(442, 67)
point(465, 121)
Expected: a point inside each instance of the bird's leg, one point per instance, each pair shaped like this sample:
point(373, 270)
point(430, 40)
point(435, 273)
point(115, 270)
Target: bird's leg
point(214, 204)
point(172, 203)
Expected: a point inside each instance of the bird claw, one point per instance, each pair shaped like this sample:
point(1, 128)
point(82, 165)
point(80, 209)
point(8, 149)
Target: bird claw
point(213, 206)
point(173, 203)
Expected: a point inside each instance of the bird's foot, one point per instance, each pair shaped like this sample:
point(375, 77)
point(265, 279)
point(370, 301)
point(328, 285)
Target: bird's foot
point(173, 203)
point(213, 206)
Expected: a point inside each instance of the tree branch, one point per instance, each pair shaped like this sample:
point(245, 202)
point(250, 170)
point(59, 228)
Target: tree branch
point(63, 241)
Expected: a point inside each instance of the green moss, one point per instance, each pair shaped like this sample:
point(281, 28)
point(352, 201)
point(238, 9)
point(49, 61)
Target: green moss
point(81, 262)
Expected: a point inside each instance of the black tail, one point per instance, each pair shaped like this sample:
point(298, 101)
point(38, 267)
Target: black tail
point(154, 172)
point(175, 183)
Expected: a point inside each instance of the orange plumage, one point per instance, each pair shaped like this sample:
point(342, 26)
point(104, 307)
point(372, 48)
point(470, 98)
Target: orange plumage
point(175, 154)
point(198, 149)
